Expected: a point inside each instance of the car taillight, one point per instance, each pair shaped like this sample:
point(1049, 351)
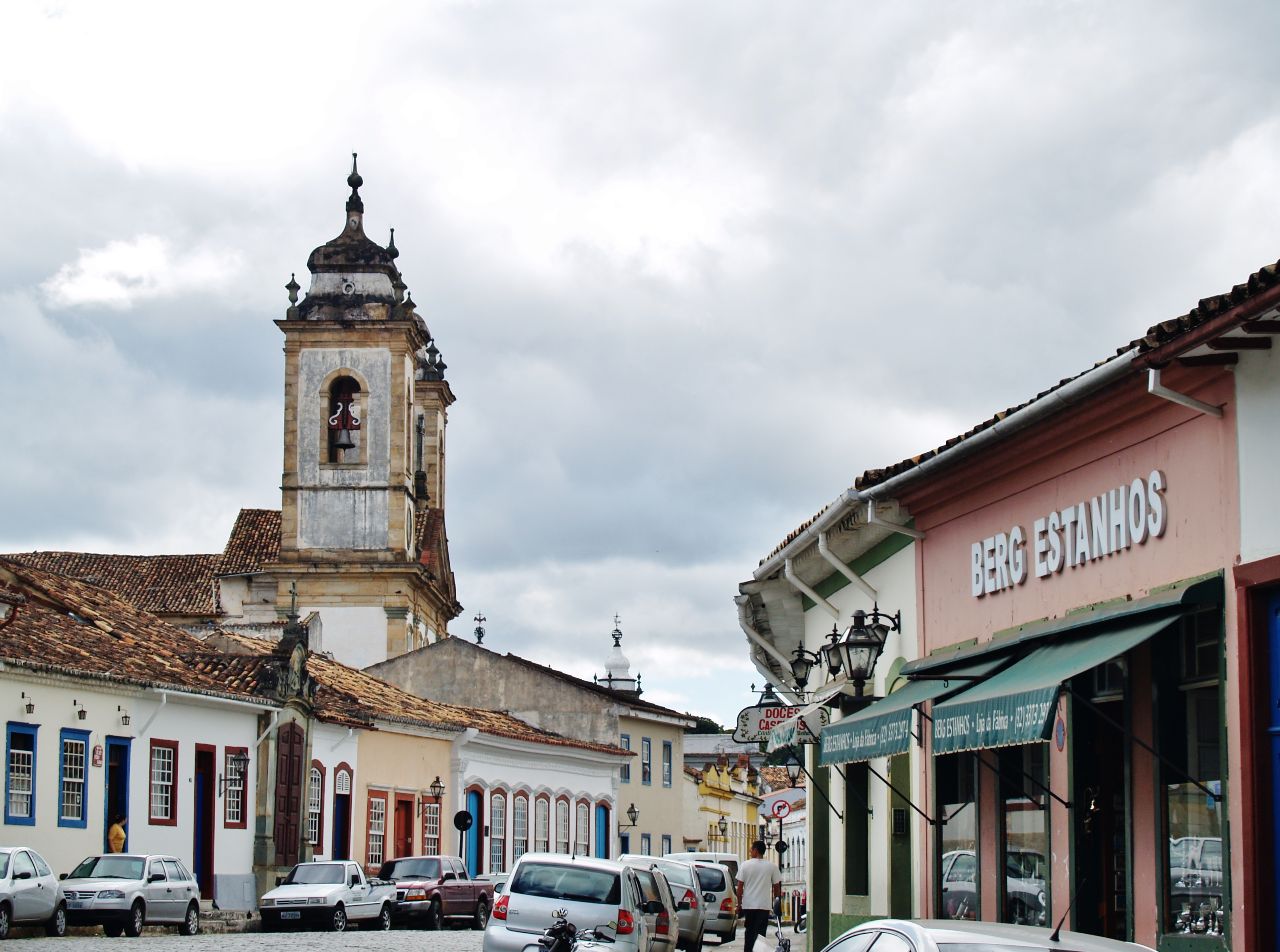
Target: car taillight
point(626, 924)
point(691, 898)
point(500, 908)
point(663, 924)
point(727, 905)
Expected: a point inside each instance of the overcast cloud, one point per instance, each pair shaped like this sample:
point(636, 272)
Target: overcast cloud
point(693, 266)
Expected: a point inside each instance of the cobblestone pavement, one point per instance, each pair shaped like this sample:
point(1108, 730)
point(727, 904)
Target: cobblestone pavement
point(397, 940)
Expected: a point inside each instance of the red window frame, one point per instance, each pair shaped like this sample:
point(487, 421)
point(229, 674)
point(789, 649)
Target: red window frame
point(368, 827)
point(244, 791)
point(172, 818)
point(318, 845)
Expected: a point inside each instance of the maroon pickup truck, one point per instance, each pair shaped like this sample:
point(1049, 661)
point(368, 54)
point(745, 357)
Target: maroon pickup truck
point(434, 890)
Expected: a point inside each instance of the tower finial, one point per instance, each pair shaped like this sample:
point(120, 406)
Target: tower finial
point(354, 203)
point(392, 251)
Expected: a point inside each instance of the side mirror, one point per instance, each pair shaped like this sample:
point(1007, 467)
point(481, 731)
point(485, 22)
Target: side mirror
point(25, 874)
point(682, 905)
point(355, 879)
point(62, 875)
point(279, 880)
point(708, 897)
point(156, 878)
point(652, 906)
point(447, 876)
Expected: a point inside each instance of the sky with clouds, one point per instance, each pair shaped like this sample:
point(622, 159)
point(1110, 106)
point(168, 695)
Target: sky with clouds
point(693, 266)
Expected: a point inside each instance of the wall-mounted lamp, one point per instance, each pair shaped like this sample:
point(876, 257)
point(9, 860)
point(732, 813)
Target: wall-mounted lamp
point(723, 826)
point(236, 765)
point(124, 716)
point(437, 789)
point(29, 706)
point(633, 815)
point(81, 713)
point(858, 648)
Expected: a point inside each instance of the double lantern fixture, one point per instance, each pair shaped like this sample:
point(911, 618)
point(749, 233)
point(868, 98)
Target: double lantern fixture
point(853, 652)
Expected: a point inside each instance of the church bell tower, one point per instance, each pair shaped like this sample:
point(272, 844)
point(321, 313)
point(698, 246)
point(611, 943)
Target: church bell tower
point(366, 405)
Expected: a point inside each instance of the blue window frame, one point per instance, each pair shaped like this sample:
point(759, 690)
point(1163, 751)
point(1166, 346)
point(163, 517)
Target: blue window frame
point(646, 844)
point(73, 775)
point(20, 774)
point(666, 843)
point(624, 842)
point(625, 743)
point(646, 761)
point(666, 763)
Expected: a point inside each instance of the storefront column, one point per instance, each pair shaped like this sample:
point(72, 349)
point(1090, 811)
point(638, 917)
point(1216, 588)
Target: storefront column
point(1147, 846)
point(1060, 818)
point(990, 869)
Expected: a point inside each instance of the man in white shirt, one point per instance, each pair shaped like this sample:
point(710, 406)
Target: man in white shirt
point(759, 886)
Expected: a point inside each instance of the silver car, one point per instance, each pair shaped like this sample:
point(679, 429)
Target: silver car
point(931, 935)
point(29, 893)
point(720, 893)
point(690, 906)
point(122, 892)
point(596, 894)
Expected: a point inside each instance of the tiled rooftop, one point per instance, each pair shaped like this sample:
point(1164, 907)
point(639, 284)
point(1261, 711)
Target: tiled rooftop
point(69, 626)
point(162, 584)
point(254, 542)
point(1157, 335)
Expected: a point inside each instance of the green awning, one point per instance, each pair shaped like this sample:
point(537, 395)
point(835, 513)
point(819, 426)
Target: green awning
point(1016, 705)
point(883, 729)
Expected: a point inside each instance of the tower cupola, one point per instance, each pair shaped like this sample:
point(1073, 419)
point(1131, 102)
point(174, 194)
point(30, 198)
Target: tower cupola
point(617, 668)
point(352, 276)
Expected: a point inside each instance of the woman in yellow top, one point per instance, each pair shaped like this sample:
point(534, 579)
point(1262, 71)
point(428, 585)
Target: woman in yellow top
point(115, 834)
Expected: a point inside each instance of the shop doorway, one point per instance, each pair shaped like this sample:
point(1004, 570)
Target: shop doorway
point(340, 845)
point(1100, 772)
point(202, 840)
point(117, 784)
point(900, 857)
point(403, 842)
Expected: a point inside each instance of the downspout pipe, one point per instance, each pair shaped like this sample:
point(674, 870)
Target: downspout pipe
point(761, 641)
point(798, 584)
point(1157, 389)
point(843, 569)
point(164, 699)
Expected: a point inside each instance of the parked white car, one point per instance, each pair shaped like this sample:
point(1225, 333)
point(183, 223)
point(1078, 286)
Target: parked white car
point(29, 892)
point(122, 892)
point(328, 894)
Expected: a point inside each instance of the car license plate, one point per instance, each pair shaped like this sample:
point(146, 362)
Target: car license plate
point(78, 904)
point(291, 914)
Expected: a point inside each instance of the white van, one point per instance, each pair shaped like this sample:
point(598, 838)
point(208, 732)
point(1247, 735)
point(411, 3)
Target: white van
point(724, 859)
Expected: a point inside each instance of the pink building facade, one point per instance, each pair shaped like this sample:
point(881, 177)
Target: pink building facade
point(1113, 526)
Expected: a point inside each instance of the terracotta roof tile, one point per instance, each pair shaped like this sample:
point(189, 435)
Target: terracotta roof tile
point(618, 696)
point(69, 626)
point(778, 778)
point(1157, 335)
point(161, 584)
point(348, 695)
point(254, 542)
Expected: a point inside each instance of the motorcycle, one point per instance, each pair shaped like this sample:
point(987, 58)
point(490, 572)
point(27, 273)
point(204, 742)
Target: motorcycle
point(564, 936)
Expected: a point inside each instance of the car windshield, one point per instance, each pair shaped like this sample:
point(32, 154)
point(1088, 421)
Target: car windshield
point(109, 867)
point(710, 879)
point(4, 865)
point(410, 869)
point(315, 873)
point(675, 872)
point(575, 884)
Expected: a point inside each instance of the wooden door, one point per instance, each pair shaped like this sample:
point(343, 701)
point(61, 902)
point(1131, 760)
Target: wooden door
point(403, 825)
point(289, 744)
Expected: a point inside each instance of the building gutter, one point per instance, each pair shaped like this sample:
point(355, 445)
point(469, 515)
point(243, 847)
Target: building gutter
point(1064, 397)
point(1210, 329)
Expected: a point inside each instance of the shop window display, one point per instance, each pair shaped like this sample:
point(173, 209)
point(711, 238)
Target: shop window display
point(957, 796)
point(1193, 806)
point(1024, 821)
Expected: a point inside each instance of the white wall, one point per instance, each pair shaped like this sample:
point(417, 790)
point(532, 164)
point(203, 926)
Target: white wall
point(186, 719)
point(1257, 397)
point(333, 745)
point(356, 635)
point(895, 583)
